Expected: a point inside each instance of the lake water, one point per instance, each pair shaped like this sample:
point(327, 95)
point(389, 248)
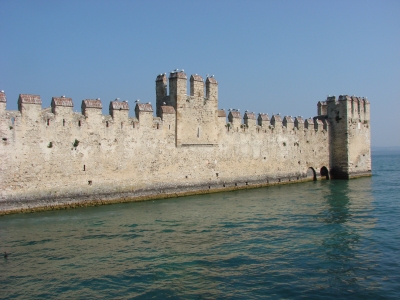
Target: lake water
point(325, 240)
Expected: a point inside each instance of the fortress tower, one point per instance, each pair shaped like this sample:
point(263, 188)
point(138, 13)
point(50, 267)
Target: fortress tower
point(350, 141)
point(196, 113)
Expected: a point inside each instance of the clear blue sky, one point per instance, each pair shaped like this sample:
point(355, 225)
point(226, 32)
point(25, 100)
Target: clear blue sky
point(268, 56)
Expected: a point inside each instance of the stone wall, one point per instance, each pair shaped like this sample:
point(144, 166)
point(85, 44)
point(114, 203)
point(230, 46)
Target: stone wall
point(55, 157)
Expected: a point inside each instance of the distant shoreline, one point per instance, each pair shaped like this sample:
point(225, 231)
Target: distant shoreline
point(392, 149)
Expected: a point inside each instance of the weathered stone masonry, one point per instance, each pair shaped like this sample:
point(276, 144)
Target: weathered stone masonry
point(55, 157)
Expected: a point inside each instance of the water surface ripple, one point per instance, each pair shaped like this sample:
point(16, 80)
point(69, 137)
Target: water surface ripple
point(320, 240)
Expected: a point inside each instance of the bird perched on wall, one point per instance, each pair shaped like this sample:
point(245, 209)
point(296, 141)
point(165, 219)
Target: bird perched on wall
point(137, 101)
point(5, 255)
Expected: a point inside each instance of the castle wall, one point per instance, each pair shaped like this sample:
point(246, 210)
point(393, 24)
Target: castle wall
point(57, 157)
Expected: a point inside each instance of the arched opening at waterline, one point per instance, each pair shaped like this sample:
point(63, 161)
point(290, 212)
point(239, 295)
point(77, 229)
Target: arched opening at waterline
point(324, 173)
point(311, 173)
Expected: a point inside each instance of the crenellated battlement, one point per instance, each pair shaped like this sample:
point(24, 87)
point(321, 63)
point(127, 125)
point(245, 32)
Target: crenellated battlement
point(262, 123)
point(196, 86)
point(61, 110)
point(349, 106)
point(61, 105)
point(3, 98)
point(29, 99)
point(329, 111)
point(188, 145)
point(288, 122)
point(29, 105)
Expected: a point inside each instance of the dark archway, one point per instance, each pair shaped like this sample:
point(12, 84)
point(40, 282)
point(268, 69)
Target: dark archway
point(311, 173)
point(324, 173)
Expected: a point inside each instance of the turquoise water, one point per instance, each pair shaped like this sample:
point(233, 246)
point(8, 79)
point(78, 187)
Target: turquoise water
point(324, 240)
